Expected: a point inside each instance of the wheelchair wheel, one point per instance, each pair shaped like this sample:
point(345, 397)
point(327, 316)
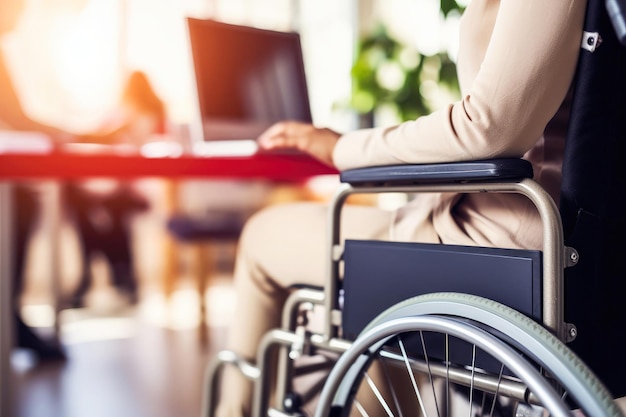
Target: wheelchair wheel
point(452, 354)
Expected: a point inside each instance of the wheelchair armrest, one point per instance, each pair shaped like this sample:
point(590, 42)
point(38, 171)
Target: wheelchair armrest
point(467, 171)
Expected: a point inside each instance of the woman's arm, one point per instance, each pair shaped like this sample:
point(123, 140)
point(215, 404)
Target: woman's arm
point(526, 72)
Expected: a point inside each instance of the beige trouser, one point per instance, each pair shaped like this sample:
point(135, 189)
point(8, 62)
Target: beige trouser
point(281, 246)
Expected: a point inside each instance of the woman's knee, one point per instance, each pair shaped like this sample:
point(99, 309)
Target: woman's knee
point(271, 224)
point(254, 227)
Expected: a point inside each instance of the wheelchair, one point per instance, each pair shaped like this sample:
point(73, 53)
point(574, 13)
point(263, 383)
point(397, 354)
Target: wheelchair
point(500, 346)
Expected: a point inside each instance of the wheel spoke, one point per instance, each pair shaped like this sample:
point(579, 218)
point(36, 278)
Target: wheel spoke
point(410, 372)
point(482, 403)
point(385, 369)
point(378, 395)
point(360, 407)
point(430, 373)
point(471, 393)
point(495, 395)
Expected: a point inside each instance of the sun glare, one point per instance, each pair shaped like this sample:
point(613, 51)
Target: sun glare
point(86, 57)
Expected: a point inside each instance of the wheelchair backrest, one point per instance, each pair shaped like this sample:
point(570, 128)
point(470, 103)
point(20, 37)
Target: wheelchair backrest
point(593, 202)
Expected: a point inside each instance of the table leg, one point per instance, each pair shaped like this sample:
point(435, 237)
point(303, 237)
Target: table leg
point(6, 299)
point(53, 218)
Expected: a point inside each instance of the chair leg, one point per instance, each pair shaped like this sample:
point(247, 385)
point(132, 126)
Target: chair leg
point(170, 267)
point(170, 247)
point(203, 270)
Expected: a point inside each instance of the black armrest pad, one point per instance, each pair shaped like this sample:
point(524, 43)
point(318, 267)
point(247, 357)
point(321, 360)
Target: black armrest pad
point(486, 170)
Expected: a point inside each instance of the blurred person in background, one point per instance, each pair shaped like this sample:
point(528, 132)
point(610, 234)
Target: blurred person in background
point(102, 209)
point(101, 218)
point(25, 207)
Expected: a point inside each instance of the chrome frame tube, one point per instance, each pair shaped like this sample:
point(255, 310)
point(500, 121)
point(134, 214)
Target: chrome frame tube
point(289, 322)
point(295, 299)
point(484, 382)
point(282, 338)
point(262, 384)
point(212, 376)
point(553, 246)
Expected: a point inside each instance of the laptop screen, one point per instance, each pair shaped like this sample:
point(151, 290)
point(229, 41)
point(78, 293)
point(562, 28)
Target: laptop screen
point(246, 78)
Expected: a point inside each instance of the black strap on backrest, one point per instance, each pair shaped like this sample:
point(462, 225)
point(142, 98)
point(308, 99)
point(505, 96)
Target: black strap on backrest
point(593, 203)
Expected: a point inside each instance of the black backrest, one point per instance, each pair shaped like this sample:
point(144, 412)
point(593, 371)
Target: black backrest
point(593, 204)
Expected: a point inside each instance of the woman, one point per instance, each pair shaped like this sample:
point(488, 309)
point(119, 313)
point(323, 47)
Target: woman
point(516, 63)
point(102, 211)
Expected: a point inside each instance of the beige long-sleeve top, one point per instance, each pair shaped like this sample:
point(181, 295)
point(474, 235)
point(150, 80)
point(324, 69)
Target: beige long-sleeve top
point(516, 63)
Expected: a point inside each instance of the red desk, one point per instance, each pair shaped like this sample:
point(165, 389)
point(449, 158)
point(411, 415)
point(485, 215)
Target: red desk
point(289, 168)
point(61, 166)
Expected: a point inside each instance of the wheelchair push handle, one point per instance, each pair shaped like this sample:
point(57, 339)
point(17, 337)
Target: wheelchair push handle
point(617, 13)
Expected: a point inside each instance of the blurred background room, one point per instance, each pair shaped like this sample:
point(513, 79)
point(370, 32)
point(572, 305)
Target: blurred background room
point(133, 335)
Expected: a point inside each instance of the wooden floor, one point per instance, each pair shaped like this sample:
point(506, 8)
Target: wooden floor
point(123, 361)
point(120, 364)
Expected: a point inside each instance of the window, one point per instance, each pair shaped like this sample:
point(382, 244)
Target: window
point(70, 62)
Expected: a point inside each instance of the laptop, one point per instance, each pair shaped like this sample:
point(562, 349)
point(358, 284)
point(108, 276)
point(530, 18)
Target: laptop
point(246, 80)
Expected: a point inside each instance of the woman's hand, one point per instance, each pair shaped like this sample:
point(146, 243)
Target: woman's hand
point(317, 142)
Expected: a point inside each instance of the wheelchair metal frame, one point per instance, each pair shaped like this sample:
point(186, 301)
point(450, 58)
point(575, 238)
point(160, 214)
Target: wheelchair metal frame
point(293, 340)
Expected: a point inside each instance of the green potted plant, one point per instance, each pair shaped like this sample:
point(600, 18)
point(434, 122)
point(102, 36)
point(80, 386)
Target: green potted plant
point(390, 74)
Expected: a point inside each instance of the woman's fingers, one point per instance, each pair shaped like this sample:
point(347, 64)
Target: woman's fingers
point(317, 142)
point(282, 134)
